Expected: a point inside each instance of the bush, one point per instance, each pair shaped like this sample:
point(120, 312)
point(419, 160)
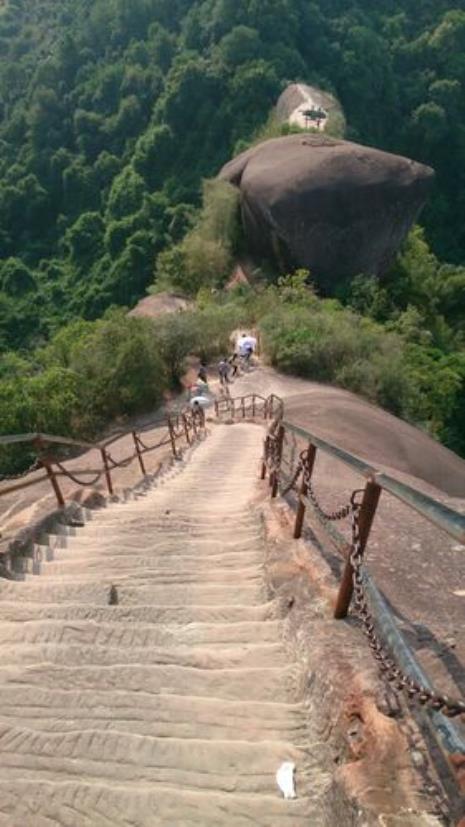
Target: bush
point(204, 258)
point(322, 341)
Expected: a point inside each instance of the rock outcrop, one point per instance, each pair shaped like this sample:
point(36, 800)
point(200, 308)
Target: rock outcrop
point(334, 207)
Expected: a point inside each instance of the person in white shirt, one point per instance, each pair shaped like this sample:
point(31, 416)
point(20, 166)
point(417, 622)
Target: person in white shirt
point(246, 345)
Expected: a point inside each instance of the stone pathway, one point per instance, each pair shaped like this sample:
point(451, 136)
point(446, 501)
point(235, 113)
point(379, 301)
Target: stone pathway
point(177, 705)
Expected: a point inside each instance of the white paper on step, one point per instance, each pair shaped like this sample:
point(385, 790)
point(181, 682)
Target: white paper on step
point(285, 779)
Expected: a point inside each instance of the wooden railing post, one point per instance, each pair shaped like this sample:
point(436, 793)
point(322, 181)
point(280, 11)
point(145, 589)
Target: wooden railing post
point(299, 517)
point(253, 406)
point(367, 514)
point(107, 471)
point(275, 474)
point(139, 453)
point(186, 428)
point(172, 437)
point(265, 454)
point(243, 407)
point(47, 464)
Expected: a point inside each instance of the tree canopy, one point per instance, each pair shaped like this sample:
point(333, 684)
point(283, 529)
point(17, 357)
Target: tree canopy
point(110, 108)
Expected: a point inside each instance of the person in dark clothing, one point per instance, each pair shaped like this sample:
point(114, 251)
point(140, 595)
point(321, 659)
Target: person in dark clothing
point(202, 374)
point(223, 371)
point(234, 364)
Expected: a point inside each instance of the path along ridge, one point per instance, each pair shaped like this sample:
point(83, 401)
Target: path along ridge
point(176, 706)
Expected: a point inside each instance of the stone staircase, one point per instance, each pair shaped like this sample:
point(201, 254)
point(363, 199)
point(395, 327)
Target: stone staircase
point(177, 705)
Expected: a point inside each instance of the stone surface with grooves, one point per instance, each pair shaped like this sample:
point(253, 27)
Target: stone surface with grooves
point(177, 705)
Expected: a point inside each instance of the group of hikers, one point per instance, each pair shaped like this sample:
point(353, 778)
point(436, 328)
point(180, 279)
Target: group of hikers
point(228, 369)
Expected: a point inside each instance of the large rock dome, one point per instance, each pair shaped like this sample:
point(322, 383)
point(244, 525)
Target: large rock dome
point(334, 207)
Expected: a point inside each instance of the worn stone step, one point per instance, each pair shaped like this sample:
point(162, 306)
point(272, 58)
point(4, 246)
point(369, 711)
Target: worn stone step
point(149, 572)
point(140, 613)
point(250, 655)
point(95, 590)
point(179, 716)
point(190, 764)
point(129, 635)
point(107, 804)
point(175, 706)
point(265, 684)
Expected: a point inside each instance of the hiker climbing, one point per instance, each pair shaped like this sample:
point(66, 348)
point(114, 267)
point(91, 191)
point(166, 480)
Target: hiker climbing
point(246, 346)
point(202, 372)
point(234, 364)
point(223, 372)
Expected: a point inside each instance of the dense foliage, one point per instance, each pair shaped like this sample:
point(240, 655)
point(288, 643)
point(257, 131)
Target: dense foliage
point(112, 111)
point(112, 114)
point(399, 364)
point(94, 373)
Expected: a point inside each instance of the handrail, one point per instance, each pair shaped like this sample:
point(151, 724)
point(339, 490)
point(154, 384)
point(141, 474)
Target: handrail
point(193, 426)
point(447, 735)
point(433, 510)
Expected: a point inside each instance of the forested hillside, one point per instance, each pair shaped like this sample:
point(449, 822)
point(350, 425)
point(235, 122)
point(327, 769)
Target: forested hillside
point(112, 111)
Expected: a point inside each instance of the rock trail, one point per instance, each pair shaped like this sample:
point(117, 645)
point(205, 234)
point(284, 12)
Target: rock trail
point(177, 705)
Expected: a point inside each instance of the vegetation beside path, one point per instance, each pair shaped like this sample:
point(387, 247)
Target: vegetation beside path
point(92, 373)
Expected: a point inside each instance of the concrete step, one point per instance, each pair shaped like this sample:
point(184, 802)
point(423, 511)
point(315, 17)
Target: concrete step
point(177, 705)
point(130, 635)
point(106, 804)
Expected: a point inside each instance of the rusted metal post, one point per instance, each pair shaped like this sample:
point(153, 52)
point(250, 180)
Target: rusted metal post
point(139, 453)
point(265, 454)
point(186, 427)
point(172, 437)
point(307, 473)
point(367, 514)
point(107, 471)
point(194, 424)
point(47, 463)
point(279, 452)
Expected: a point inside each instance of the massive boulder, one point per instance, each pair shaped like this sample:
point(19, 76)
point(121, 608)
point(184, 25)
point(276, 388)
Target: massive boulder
point(334, 207)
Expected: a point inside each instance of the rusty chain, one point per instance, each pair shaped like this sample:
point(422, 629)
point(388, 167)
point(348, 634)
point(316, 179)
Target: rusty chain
point(71, 476)
point(123, 464)
point(302, 468)
point(425, 697)
point(390, 671)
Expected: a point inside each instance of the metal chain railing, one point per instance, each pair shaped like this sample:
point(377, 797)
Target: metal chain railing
point(302, 468)
point(123, 463)
point(451, 707)
point(70, 475)
point(391, 672)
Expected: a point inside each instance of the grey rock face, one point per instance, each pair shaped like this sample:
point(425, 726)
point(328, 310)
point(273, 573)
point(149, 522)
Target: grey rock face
point(334, 207)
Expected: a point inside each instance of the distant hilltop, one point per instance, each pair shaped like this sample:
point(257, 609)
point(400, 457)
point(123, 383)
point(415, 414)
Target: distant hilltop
point(311, 108)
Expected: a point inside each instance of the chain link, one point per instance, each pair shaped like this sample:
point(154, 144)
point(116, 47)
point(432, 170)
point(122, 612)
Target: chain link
point(74, 479)
point(303, 467)
point(390, 671)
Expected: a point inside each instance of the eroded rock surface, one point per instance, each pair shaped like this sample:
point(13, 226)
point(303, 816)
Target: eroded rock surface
point(334, 207)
